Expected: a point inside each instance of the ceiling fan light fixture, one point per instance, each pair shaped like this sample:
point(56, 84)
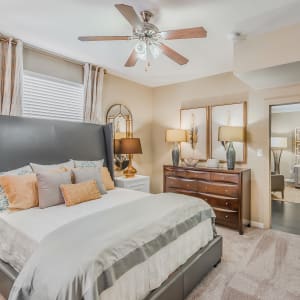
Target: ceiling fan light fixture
point(155, 50)
point(141, 47)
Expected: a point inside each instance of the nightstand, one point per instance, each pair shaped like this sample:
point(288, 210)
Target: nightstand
point(138, 183)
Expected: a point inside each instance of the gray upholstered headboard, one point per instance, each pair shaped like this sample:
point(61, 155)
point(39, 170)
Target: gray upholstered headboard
point(24, 140)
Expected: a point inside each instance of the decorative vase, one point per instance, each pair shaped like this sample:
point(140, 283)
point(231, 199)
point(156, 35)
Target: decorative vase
point(175, 155)
point(230, 156)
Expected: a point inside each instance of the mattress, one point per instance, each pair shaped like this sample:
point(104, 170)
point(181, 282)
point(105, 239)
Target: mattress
point(21, 233)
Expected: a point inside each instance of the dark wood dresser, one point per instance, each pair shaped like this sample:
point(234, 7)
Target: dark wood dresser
point(227, 191)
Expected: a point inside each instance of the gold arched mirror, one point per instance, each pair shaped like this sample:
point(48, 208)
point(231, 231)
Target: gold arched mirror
point(121, 118)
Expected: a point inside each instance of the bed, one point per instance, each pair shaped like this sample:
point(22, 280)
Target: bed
point(45, 142)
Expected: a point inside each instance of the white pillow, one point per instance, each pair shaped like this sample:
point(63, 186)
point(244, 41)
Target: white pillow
point(42, 168)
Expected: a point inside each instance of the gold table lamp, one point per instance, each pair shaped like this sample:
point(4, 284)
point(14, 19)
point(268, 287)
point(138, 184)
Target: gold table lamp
point(130, 146)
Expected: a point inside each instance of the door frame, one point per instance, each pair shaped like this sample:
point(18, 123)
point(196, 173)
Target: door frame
point(277, 101)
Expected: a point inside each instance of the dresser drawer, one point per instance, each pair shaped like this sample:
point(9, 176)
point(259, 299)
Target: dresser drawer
point(221, 201)
point(186, 174)
point(180, 183)
point(230, 190)
point(189, 174)
point(223, 177)
point(137, 183)
point(227, 217)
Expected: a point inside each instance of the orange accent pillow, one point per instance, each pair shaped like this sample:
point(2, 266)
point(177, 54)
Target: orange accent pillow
point(106, 179)
point(80, 192)
point(21, 191)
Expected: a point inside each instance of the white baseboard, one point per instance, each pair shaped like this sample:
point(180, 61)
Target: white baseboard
point(254, 224)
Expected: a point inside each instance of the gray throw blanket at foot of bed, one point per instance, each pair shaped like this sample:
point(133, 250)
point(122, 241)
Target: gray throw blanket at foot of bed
point(83, 258)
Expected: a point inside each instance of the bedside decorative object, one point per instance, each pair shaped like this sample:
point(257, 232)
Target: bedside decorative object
point(212, 163)
point(121, 160)
point(121, 118)
point(138, 183)
point(195, 122)
point(228, 115)
point(227, 191)
point(190, 162)
point(130, 146)
point(175, 136)
point(278, 144)
point(227, 135)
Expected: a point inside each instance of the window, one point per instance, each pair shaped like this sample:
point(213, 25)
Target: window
point(52, 98)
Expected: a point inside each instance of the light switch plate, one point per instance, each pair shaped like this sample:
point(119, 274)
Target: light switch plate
point(259, 153)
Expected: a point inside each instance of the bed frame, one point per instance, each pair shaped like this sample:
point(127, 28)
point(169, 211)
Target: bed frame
point(26, 140)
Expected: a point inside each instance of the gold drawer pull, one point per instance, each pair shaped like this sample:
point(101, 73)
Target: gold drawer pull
point(226, 217)
point(226, 203)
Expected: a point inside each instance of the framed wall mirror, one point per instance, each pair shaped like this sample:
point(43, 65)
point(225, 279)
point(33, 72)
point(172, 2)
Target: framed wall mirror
point(121, 118)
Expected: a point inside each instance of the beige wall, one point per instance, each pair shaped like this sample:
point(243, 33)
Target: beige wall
point(138, 99)
point(51, 65)
point(224, 88)
point(284, 124)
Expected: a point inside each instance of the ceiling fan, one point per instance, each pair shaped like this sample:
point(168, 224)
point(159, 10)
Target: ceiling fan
point(149, 38)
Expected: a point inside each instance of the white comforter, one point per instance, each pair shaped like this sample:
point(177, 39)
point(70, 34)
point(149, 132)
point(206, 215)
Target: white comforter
point(21, 232)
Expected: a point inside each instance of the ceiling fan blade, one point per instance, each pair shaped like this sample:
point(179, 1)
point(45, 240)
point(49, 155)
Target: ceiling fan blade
point(132, 60)
point(172, 54)
point(188, 33)
point(104, 38)
point(130, 15)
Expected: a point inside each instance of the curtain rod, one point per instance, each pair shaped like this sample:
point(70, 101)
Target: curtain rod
point(47, 52)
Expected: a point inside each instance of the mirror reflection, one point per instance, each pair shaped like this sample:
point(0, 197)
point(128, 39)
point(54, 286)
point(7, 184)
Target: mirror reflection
point(121, 118)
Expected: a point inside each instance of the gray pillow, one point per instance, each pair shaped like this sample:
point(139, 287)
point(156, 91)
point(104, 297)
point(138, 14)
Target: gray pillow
point(86, 174)
point(49, 187)
point(43, 168)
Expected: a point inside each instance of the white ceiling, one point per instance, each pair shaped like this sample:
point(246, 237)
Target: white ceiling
point(55, 25)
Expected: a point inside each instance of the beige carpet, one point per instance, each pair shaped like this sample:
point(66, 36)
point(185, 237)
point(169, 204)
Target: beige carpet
point(261, 264)
point(291, 194)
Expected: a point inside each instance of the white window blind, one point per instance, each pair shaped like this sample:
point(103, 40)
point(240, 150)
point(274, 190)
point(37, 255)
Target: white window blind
point(52, 98)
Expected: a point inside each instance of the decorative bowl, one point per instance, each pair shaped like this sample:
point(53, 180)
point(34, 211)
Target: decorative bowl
point(190, 162)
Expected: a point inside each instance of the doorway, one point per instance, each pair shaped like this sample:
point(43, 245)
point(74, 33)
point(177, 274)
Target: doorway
point(285, 167)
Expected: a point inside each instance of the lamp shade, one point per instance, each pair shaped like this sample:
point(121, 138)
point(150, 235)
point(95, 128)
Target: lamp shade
point(176, 135)
point(117, 146)
point(231, 134)
point(130, 146)
point(278, 142)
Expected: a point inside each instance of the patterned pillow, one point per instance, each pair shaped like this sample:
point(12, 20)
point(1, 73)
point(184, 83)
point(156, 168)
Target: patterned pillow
point(3, 200)
point(88, 163)
point(20, 171)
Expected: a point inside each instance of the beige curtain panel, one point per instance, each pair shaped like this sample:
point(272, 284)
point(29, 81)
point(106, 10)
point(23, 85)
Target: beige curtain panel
point(11, 77)
point(93, 88)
